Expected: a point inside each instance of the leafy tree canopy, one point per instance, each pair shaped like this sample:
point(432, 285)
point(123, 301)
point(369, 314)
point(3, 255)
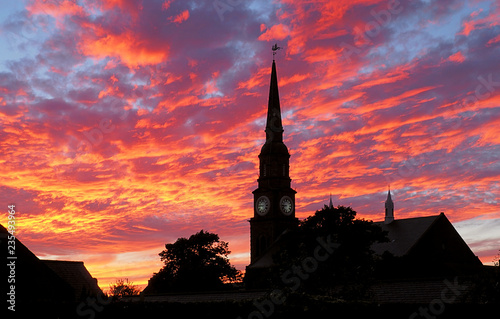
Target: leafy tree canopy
point(122, 288)
point(486, 285)
point(196, 263)
point(352, 263)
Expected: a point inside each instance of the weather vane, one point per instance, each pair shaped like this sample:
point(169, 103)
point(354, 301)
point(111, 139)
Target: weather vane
point(275, 48)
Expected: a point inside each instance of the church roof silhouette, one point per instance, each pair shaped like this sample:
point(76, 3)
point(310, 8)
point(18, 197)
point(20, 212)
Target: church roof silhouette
point(404, 234)
point(430, 239)
point(431, 242)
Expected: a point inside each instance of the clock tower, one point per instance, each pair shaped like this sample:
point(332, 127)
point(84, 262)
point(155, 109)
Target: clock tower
point(274, 199)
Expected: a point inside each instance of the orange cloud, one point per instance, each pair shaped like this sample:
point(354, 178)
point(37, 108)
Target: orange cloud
point(494, 40)
point(131, 6)
point(56, 9)
point(294, 79)
point(129, 47)
point(457, 57)
point(257, 79)
point(166, 4)
point(480, 23)
point(376, 79)
point(181, 17)
point(276, 32)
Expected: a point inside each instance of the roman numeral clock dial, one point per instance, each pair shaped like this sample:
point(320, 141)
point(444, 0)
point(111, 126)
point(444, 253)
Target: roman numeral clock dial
point(286, 205)
point(262, 205)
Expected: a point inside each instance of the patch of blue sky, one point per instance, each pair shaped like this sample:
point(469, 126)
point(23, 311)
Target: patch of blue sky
point(263, 10)
point(212, 95)
point(408, 43)
point(91, 64)
point(243, 57)
point(243, 53)
point(22, 36)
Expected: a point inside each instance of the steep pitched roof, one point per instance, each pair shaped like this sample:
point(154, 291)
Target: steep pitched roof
point(432, 240)
point(35, 282)
point(76, 275)
point(403, 234)
point(48, 281)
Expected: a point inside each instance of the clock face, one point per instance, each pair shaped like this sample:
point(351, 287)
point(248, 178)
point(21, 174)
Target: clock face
point(286, 205)
point(262, 205)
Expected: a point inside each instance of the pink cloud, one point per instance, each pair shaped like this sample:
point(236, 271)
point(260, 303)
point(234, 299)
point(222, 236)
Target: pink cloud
point(276, 32)
point(128, 46)
point(457, 57)
point(181, 17)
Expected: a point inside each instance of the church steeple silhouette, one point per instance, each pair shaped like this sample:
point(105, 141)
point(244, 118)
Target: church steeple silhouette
point(274, 127)
point(274, 199)
point(389, 208)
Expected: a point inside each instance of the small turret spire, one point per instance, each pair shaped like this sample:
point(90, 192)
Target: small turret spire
point(389, 208)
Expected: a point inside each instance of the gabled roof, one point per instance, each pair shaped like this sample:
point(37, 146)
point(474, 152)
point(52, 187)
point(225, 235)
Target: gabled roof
point(403, 234)
point(76, 275)
point(47, 281)
point(432, 240)
point(35, 282)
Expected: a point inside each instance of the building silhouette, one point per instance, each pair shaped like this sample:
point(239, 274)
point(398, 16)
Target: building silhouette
point(274, 199)
point(424, 246)
point(45, 284)
point(420, 247)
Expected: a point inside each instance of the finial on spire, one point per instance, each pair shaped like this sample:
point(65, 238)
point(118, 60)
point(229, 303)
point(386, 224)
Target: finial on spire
point(275, 48)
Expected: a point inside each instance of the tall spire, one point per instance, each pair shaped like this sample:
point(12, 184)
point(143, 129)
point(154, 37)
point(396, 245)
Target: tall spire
point(274, 199)
point(331, 203)
point(274, 156)
point(389, 208)
point(274, 128)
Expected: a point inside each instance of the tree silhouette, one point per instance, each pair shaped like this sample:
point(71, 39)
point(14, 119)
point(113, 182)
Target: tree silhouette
point(486, 285)
point(123, 288)
point(197, 263)
point(349, 267)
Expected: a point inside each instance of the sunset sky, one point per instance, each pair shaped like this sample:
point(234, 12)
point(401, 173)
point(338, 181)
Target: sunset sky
point(126, 124)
